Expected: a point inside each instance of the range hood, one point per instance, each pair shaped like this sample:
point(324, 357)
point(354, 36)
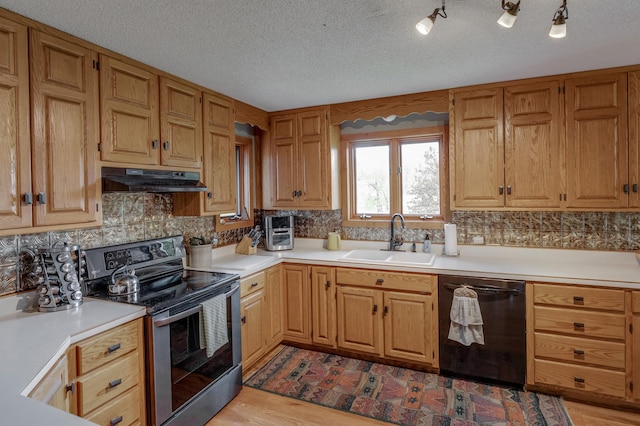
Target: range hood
point(116, 179)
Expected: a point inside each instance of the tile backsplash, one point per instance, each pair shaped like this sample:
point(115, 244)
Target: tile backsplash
point(130, 217)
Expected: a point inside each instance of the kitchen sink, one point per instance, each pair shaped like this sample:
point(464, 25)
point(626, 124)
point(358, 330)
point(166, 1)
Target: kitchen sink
point(391, 257)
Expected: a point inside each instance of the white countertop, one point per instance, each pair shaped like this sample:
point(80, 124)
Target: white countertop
point(602, 268)
point(33, 341)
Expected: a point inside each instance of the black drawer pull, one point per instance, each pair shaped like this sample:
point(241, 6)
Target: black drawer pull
point(114, 383)
point(578, 299)
point(578, 325)
point(113, 348)
point(328, 284)
point(578, 352)
point(254, 284)
point(115, 421)
point(375, 308)
point(578, 380)
point(379, 281)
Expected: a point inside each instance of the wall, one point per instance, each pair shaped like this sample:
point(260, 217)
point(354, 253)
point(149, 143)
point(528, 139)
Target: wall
point(133, 217)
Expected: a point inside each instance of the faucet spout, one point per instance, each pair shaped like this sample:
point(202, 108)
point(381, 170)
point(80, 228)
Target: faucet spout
point(393, 244)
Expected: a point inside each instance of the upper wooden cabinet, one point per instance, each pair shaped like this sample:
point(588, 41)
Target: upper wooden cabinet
point(634, 138)
point(303, 160)
point(148, 120)
point(15, 175)
point(64, 114)
point(596, 131)
point(477, 148)
point(506, 147)
point(129, 111)
point(219, 163)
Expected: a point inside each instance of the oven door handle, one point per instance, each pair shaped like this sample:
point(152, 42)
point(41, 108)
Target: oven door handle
point(188, 312)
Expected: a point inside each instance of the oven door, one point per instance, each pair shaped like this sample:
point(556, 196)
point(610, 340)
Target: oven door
point(183, 374)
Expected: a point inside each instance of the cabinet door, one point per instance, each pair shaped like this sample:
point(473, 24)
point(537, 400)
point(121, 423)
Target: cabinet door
point(273, 285)
point(478, 149)
point(408, 326)
point(360, 322)
point(219, 155)
point(52, 389)
point(636, 356)
point(313, 162)
point(634, 138)
point(596, 110)
point(15, 176)
point(297, 300)
point(129, 113)
point(180, 124)
point(64, 111)
point(532, 145)
point(252, 310)
point(285, 161)
point(323, 305)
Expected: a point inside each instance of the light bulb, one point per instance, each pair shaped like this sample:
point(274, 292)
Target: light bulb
point(507, 19)
point(424, 26)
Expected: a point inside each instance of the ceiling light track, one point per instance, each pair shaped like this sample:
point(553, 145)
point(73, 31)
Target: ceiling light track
point(507, 19)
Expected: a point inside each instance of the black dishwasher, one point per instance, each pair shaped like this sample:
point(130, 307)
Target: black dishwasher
point(502, 358)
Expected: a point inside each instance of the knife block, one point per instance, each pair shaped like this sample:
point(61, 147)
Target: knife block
point(244, 246)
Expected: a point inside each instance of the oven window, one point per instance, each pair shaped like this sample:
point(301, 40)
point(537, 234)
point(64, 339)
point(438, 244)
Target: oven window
point(282, 239)
point(191, 370)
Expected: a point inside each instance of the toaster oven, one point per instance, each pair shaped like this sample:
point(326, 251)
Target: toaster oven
point(278, 232)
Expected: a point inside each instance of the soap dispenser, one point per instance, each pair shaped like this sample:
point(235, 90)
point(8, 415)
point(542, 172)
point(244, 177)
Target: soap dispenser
point(427, 244)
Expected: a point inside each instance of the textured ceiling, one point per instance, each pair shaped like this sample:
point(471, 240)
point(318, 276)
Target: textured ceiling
point(280, 54)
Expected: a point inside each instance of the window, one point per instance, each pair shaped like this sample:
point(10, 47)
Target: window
point(396, 171)
point(242, 216)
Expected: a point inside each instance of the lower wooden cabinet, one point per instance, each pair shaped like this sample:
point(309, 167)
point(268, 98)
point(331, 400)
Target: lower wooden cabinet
point(577, 339)
point(323, 306)
point(635, 366)
point(389, 315)
point(108, 373)
point(261, 314)
point(53, 388)
point(297, 303)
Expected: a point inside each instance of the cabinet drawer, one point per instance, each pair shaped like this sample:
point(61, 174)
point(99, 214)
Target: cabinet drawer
point(105, 347)
point(579, 350)
point(580, 377)
point(579, 297)
point(386, 280)
point(122, 411)
point(636, 302)
point(102, 385)
point(251, 284)
point(580, 323)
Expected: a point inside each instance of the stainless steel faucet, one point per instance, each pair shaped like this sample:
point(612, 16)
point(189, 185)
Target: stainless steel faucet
point(393, 244)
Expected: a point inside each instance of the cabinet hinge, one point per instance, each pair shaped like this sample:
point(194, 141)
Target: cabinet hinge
point(630, 328)
point(99, 146)
point(97, 207)
point(453, 101)
point(631, 386)
point(96, 65)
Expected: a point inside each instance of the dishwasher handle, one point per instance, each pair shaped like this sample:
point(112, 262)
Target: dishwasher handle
point(484, 289)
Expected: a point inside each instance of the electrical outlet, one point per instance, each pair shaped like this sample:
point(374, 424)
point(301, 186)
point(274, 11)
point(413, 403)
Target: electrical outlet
point(478, 239)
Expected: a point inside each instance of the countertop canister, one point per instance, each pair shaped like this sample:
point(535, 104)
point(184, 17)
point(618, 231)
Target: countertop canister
point(333, 241)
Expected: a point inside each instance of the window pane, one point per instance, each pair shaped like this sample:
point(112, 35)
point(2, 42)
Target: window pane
point(372, 179)
point(420, 178)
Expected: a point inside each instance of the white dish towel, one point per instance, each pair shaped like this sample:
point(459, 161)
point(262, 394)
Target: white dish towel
point(213, 324)
point(466, 318)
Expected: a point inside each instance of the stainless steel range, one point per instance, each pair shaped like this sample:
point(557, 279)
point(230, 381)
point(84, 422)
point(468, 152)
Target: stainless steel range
point(185, 386)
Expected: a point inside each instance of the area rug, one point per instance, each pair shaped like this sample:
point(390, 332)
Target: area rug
point(399, 395)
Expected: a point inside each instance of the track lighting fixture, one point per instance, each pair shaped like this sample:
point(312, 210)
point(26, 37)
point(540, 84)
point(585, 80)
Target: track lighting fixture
point(424, 26)
point(559, 27)
point(510, 15)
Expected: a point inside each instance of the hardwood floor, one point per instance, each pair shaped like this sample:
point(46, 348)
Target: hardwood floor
point(254, 407)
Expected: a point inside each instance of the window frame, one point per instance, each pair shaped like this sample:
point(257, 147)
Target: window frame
point(244, 188)
point(393, 137)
